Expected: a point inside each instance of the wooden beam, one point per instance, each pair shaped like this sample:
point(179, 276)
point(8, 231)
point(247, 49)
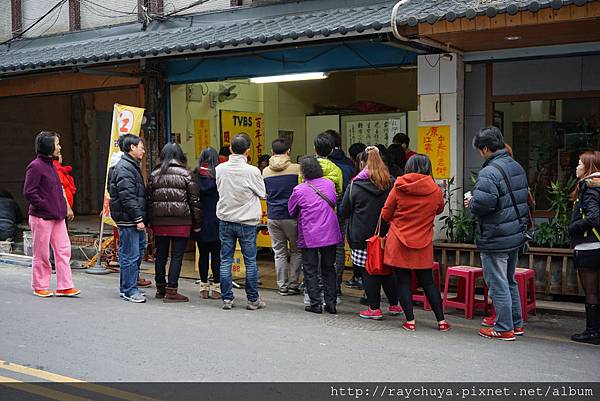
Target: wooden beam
point(499, 21)
point(74, 15)
point(17, 16)
point(482, 22)
point(425, 28)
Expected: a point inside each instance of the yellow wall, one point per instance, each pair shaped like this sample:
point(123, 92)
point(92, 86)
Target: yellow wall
point(286, 105)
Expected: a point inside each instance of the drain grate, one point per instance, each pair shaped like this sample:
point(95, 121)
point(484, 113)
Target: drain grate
point(356, 323)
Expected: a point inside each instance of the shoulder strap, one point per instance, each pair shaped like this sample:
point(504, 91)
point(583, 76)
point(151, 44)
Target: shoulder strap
point(510, 191)
point(322, 195)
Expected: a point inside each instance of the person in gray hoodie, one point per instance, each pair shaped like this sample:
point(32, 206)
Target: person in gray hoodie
point(281, 176)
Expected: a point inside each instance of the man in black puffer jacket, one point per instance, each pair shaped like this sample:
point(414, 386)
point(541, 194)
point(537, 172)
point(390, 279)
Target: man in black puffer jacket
point(501, 223)
point(128, 210)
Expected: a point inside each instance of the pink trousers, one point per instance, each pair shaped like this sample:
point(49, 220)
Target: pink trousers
point(45, 233)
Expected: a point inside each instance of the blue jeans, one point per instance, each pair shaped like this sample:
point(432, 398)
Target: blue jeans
point(499, 273)
point(229, 233)
point(131, 251)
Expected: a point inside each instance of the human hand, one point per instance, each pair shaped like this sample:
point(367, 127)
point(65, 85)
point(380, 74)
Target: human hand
point(70, 214)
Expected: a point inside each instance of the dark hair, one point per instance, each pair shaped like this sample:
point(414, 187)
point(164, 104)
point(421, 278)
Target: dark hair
point(489, 137)
point(383, 152)
point(396, 157)
point(130, 140)
point(120, 143)
point(169, 153)
point(263, 158)
point(5, 194)
point(224, 151)
point(280, 146)
point(324, 144)
point(208, 159)
point(355, 149)
point(240, 144)
point(419, 164)
point(337, 138)
point(310, 168)
point(44, 143)
point(401, 139)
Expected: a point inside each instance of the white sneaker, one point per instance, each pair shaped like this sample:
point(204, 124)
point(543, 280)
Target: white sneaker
point(228, 304)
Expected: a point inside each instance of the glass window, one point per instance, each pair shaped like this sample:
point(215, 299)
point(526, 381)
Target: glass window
point(547, 137)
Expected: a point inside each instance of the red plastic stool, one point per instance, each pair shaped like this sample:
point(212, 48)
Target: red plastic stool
point(465, 298)
point(526, 281)
point(419, 296)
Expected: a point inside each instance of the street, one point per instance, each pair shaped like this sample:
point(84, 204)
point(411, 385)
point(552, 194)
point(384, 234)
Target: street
point(99, 337)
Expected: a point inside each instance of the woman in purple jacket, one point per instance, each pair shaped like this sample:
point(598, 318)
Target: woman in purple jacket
point(313, 204)
point(47, 213)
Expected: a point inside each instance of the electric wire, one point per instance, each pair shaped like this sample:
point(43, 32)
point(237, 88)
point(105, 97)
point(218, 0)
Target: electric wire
point(30, 27)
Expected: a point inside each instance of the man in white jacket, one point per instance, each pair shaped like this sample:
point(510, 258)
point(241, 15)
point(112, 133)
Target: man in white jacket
point(240, 187)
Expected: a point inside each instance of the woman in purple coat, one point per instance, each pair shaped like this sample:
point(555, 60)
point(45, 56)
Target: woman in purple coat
point(313, 204)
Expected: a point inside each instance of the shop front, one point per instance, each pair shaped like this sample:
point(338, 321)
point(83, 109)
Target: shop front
point(364, 90)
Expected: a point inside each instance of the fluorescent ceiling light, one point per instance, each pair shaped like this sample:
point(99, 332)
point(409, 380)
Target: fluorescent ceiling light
point(305, 76)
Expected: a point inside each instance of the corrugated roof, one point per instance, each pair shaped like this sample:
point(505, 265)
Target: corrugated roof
point(243, 28)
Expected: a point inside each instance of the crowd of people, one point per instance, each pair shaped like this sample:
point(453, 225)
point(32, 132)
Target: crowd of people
point(313, 207)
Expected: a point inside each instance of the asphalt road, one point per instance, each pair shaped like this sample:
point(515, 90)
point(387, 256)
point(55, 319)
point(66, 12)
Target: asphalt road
point(99, 337)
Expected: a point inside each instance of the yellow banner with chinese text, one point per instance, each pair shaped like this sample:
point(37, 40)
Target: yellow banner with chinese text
point(252, 124)
point(126, 120)
point(434, 141)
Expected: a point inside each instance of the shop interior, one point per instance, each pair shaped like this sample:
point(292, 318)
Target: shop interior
point(367, 106)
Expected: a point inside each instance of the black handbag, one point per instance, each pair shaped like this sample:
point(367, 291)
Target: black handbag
point(525, 247)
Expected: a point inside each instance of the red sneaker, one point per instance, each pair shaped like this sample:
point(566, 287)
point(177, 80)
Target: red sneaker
point(71, 292)
point(374, 314)
point(409, 326)
point(519, 331)
point(488, 321)
point(489, 332)
point(395, 310)
point(43, 293)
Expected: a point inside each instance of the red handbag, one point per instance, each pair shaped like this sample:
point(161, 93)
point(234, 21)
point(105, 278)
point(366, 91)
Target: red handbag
point(375, 245)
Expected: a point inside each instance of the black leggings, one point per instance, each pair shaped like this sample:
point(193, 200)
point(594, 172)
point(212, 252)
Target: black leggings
point(210, 250)
point(373, 286)
point(590, 281)
point(177, 245)
point(425, 280)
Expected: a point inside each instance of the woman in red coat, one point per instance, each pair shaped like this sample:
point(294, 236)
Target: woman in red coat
point(410, 210)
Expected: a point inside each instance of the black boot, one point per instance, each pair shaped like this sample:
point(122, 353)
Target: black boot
point(592, 317)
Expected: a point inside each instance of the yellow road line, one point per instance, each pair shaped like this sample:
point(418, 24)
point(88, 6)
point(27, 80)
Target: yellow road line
point(53, 377)
point(39, 390)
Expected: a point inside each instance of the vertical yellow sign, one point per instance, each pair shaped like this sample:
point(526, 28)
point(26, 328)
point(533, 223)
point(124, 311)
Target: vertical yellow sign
point(201, 135)
point(252, 124)
point(126, 120)
point(434, 141)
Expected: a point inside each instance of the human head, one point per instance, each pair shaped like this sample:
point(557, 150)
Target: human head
point(240, 144)
point(589, 163)
point(402, 139)
point(47, 143)
point(208, 159)
point(310, 168)
point(120, 142)
point(396, 155)
point(323, 144)
point(355, 149)
point(383, 152)
point(280, 147)
point(170, 153)
point(134, 146)
point(263, 162)
point(337, 138)
point(224, 151)
point(419, 164)
point(378, 171)
point(488, 140)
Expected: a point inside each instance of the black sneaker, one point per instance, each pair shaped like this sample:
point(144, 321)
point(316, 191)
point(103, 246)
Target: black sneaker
point(352, 283)
point(293, 291)
point(284, 292)
point(314, 309)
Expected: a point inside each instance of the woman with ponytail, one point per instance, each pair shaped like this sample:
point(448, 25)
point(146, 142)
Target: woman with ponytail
point(363, 200)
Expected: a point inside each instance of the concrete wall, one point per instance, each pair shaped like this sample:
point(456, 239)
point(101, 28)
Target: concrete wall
point(5, 20)
point(93, 15)
point(474, 120)
point(172, 5)
point(56, 21)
